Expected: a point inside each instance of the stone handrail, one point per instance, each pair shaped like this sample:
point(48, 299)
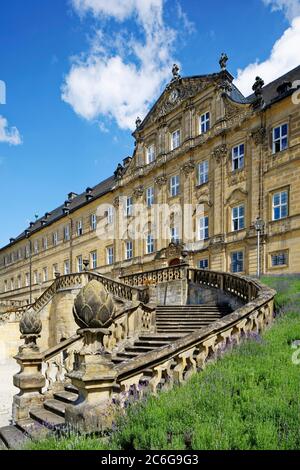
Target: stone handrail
point(189, 354)
point(121, 289)
point(156, 276)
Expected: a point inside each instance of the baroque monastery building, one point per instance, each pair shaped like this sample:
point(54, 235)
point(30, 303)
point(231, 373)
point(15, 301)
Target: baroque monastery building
point(211, 169)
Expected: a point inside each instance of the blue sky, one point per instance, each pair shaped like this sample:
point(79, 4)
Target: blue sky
point(78, 72)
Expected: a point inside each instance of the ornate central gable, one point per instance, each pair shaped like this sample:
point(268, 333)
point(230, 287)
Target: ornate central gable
point(178, 90)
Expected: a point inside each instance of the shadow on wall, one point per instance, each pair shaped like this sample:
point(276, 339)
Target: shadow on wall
point(209, 295)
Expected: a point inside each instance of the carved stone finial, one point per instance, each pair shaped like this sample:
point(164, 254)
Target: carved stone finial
point(30, 328)
point(257, 87)
point(138, 122)
point(175, 72)
point(119, 171)
point(223, 61)
point(94, 307)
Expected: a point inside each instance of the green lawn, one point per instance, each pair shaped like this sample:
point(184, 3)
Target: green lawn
point(249, 399)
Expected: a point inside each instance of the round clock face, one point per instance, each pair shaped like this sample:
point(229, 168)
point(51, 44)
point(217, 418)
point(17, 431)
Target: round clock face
point(173, 96)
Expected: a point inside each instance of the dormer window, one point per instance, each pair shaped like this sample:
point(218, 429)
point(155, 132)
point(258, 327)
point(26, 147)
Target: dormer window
point(175, 139)
point(280, 138)
point(150, 154)
point(204, 123)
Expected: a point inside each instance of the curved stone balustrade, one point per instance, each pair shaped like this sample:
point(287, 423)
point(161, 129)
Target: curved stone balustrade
point(156, 276)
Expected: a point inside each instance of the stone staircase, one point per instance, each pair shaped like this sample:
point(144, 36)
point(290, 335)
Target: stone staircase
point(173, 323)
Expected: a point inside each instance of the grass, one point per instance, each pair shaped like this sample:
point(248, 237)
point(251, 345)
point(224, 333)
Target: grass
point(249, 399)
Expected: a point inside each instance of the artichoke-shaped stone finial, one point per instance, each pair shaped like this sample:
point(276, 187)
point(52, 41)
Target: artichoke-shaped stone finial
point(30, 323)
point(94, 307)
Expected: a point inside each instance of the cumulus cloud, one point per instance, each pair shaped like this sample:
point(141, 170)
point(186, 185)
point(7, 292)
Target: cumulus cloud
point(283, 57)
point(291, 8)
point(9, 135)
point(118, 78)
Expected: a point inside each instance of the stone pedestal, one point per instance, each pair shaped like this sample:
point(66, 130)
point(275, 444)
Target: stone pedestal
point(95, 379)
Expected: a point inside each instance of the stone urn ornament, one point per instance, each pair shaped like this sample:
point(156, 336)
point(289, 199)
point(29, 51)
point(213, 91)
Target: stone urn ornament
point(30, 328)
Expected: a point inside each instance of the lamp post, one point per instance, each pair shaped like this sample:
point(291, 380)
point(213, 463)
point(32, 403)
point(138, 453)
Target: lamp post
point(259, 227)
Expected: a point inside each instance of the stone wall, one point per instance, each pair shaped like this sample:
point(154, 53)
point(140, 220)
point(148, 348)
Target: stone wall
point(198, 295)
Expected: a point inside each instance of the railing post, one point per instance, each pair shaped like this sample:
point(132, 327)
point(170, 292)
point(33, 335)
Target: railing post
point(29, 379)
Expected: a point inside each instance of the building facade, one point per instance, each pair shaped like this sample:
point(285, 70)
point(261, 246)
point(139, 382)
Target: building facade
point(218, 163)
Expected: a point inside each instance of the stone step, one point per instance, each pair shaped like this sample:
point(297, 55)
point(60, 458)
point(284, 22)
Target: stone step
point(65, 396)
point(154, 344)
point(12, 437)
point(168, 337)
point(186, 318)
point(127, 355)
point(71, 388)
point(183, 323)
point(173, 330)
point(47, 418)
point(32, 428)
point(142, 349)
point(55, 406)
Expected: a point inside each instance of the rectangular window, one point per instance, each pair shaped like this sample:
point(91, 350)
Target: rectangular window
point(45, 274)
point(36, 247)
point(45, 243)
point(35, 277)
point(27, 251)
point(110, 215)
point(203, 172)
point(238, 155)
point(54, 270)
point(203, 228)
point(19, 281)
point(67, 233)
point(174, 185)
point(55, 238)
point(150, 196)
point(237, 262)
point(280, 205)
point(150, 244)
point(79, 228)
point(66, 267)
point(174, 235)
point(175, 139)
point(94, 259)
point(129, 250)
point(203, 264)
point(204, 123)
point(238, 218)
point(279, 259)
point(79, 264)
point(27, 278)
point(12, 286)
point(129, 206)
point(150, 154)
point(93, 221)
point(280, 138)
point(110, 255)
point(5, 286)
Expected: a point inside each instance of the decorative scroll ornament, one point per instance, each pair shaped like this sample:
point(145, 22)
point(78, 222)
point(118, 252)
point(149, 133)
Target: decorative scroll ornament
point(220, 152)
point(259, 135)
point(139, 191)
point(94, 306)
point(160, 180)
point(188, 167)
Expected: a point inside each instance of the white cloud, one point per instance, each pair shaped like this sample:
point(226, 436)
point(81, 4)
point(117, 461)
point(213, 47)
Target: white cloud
point(284, 57)
point(291, 8)
point(9, 135)
point(118, 78)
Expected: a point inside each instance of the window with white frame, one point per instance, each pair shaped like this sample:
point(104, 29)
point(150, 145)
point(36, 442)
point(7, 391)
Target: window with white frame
point(45, 243)
point(175, 139)
point(203, 263)
point(203, 228)
point(280, 138)
point(150, 196)
point(35, 277)
point(94, 259)
point(67, 232)
point(5, 286)
point(238, 156)
point(279, 259)
point(27, 251)
point(203, 172)
point(35, 247)
point(204, 123)
point(79, 228)
point(110, 215)
point(280, 205)
point(110, 255)
point(174, 185)
point(129, 206)
point(150, 244)
point(45, 274)
point(238, 218)
point(237, 262)
point(79, 264)
point(19, 282)
point(27, 279)
point(12, 284)
point(174, 232)
point(93, 221)
point(129, 250)
point(54, 270)
point(150, 154)
point(66, 267)
point(55, 238)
